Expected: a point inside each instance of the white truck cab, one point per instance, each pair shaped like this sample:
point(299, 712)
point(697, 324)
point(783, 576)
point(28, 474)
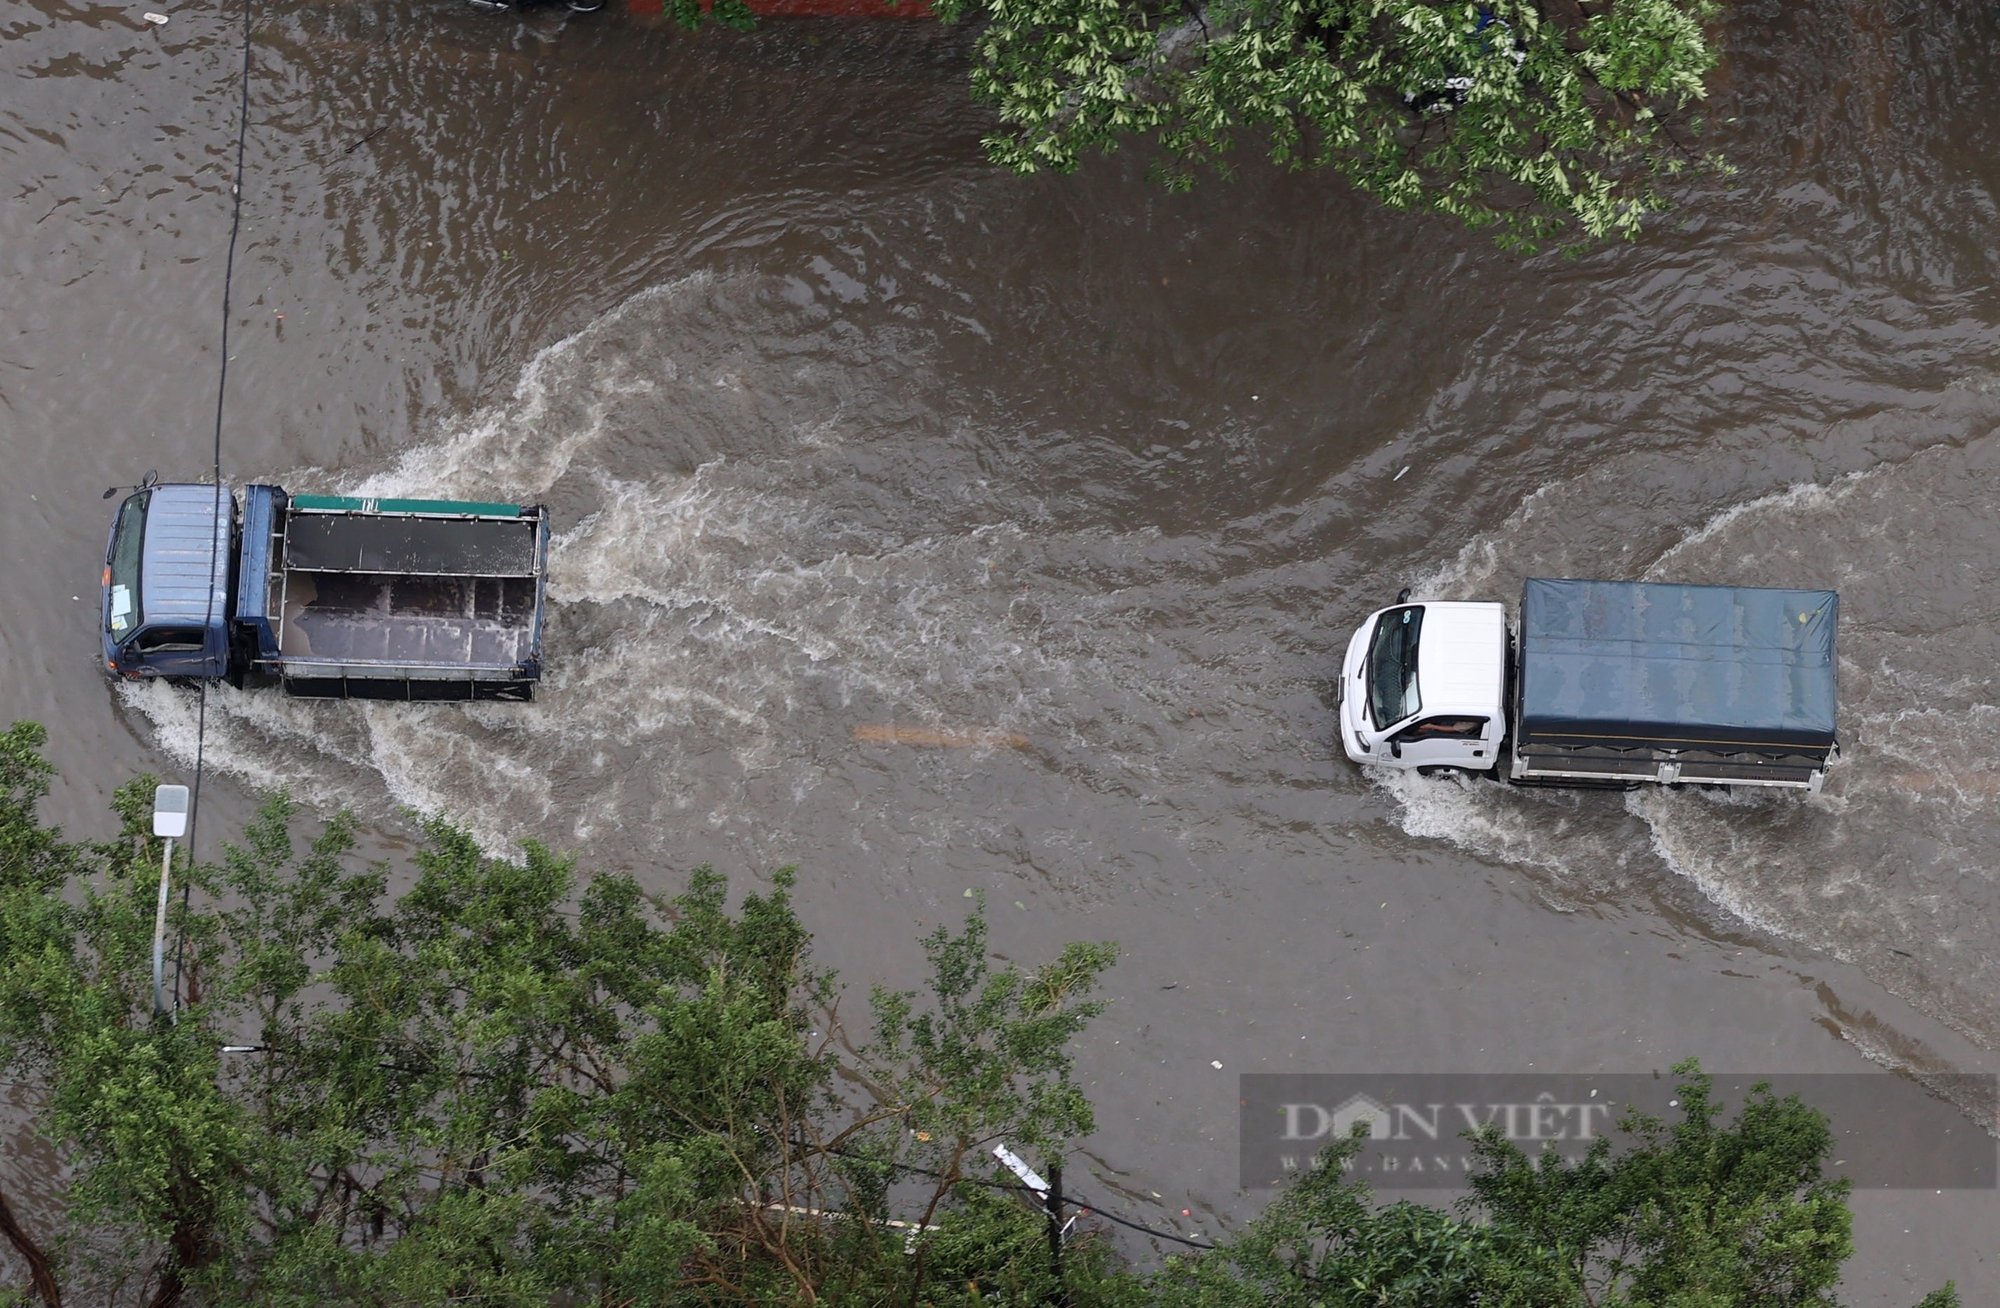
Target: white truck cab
point(1424, 685)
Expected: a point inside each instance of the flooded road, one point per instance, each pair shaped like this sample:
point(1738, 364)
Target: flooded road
point(942, 531)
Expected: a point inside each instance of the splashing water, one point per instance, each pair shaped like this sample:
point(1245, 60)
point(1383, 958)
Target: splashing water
point(750, 621)
point(1893, 865)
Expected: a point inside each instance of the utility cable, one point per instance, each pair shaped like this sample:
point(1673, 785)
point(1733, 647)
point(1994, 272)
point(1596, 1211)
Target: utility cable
point(215, 552)
point(214, 566)
point(1069, 1197)
point(1085, 1204)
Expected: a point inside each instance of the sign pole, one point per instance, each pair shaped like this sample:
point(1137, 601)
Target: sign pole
point(1050, 1193)
point(160, 935)
point(170, 822)
point(1053, 1205)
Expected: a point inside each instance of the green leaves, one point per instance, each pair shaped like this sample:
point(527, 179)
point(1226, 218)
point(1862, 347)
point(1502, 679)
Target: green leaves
point(1736, 1216)
point(1739, 1214)
point(1542, 122)
point(32, 857)
point(514, 1086)
point(692, 15)
point(1321, 1243)
point(510, 1084)
point(991, 1058)
point(154, 1145)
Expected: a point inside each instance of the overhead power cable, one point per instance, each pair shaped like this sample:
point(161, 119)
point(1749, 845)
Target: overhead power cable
point(1083, 1203)
point(214, 572)
point(1068, 1196)
point(215, 553)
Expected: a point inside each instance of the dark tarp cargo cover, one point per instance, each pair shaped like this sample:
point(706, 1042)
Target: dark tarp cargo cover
point(411, 546)
point(1619, 663)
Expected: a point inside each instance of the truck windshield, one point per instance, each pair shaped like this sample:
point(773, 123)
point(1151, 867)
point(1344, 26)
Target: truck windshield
point(122, 574)
point(1392, 666)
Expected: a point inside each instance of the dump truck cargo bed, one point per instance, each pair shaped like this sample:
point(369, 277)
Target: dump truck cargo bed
point(1621, 681)
point(396, 599)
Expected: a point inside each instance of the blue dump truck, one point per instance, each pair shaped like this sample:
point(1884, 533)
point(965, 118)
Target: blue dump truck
point(335, 597)
point(1601, 683)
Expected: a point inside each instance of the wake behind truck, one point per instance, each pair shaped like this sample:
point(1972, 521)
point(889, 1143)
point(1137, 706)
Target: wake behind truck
point(1604, 683)
point(333, 596)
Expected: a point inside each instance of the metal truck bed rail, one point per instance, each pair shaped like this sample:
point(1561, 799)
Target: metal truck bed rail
point(1532, 763)
point(407, 546)
point(395, 599)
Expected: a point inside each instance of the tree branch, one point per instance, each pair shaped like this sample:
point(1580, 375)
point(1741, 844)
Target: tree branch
point(39, 1270)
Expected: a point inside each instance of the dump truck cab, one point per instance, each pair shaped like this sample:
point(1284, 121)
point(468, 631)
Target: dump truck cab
point(1424, 685)
point(168, 569)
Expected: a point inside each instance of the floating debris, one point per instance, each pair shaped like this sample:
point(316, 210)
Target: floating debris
point(926, 738)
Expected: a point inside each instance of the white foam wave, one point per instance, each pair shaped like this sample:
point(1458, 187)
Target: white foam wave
point(720, 625)
point(270, 743)
point(1803, 495)
point(1703, 863)
point(1446, 808)
point(1470, 574)
point(523, 447)
point(1574, 840)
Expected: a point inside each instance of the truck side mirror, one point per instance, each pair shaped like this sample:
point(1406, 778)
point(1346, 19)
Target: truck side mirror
point(1403, 595)
point(1395, 748)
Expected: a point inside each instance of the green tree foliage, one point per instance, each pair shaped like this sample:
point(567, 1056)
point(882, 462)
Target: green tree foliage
point(511, 1085)
point(507, 1084)
point(1693, 1215)
point(1542, 119)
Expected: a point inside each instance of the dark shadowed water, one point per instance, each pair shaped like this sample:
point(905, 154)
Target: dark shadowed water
point(942, 531)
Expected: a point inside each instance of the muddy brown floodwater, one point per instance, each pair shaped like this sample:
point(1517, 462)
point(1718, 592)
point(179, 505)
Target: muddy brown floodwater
point(942, 531)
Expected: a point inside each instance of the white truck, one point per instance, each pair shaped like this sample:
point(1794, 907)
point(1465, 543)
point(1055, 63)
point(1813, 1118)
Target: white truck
point(1601, 683)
